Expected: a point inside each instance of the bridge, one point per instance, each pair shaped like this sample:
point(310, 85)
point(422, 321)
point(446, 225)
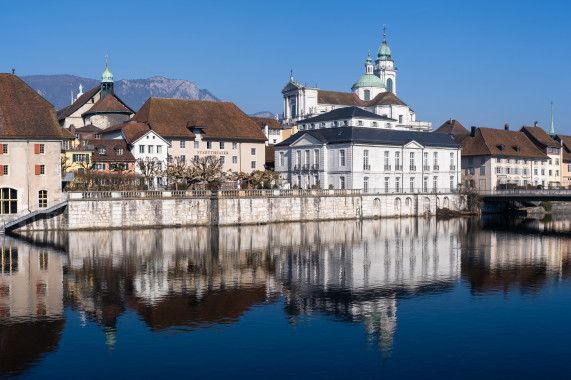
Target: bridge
point(526, 196)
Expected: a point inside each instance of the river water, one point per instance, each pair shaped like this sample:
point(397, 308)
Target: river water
point(395, 298)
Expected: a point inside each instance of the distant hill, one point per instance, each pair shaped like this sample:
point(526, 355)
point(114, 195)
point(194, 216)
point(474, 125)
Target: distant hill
point(57, 89)
point(263, 114)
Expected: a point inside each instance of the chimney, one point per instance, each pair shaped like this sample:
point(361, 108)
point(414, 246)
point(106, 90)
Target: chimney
point(535, 123)
point(473, 131)
point(506, 126)
point(450, 121)
point(72, 129)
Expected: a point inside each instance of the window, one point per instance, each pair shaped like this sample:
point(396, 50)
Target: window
point(253, 164)
point(307, 158)
point(102, 151)
point(557, 161)
point(150, 150)
point(525, 172)
point(365, 184)
point(316, 158)
point(4, 149)
point(516, 161)
point(557, 173)
point(141, 149)
point(386, 160)
point(342, 158)
point(483, 170)
point(412, 166)
point(498, 170)
point(196, 158)
point(425, 160)
point(342, 182)
point(209, 145)
point(253, 151)
point(222, 160)
point(400, 119)
point(234, 145)
point(8, 201)
point(498, 160)
point(159, 149)
point(550, 161)
point(386, 184)
point(282, 158)
point(40, 169)
point(367, 95)
point(298, 158)
point(397, 161)
point(234, 159)
point(182, 144)
point(451, 182)
point(412, 185)
point(196, 144)
point(366, 160)
point(360, 123)
point(425, 184)
point(39, 148)
point(535, 171)
point(335, 124)
point(375, 124)
point(182, 158)
point(435, 163)
point(434, 184)
point(43, 198)
point(99, 167)
point(397, 184)
point(221, 144)
point(5, 170)
point(120, 151)
point(550, 172)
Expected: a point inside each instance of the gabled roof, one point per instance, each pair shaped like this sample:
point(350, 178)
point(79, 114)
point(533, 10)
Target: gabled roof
point(65, 112)
point(386, 97)
point(500, 142)
point(372, 136)
point(109, 104)
point(66, 133)
point(176, 118)
point(270, 122)
point(132, 131)
point(566, 140)
point(345, 113)
point(24, 113)
point(539, 137)
point(111, 146)
point(291, 85)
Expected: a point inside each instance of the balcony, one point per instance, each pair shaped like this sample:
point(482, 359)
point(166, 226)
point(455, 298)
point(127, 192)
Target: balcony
point(412, 168)
point(452, 167)
point(436, 168)
point(366, 167)
point(398, 168)
point(387, 167)
point(426, 168)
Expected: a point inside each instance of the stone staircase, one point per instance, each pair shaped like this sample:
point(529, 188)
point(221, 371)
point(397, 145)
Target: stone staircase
point(34, 215)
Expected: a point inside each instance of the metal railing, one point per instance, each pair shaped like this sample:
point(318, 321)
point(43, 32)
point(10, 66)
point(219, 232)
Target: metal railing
point(387, 167)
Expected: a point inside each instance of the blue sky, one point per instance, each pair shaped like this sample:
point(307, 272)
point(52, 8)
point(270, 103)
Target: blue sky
point(484, 63)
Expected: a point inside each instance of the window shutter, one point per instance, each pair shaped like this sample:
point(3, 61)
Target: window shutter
point(38, 169)
point(74, 159)
point(1, 148)
point(37, 148)
point(1, 169)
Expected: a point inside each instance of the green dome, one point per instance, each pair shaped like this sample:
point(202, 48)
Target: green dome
point(369, 80)
point(384, 53)
point(106, 76)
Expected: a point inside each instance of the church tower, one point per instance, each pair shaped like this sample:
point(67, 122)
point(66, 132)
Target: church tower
point(384, 65)
point(368, 85)
point(106, 81)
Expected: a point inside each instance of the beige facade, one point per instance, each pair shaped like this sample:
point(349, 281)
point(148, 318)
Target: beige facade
point(75, 117)
point(237, 156)
point(31, 168)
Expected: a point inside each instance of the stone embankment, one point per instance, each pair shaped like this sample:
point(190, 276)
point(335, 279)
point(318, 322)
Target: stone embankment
point(135, 209)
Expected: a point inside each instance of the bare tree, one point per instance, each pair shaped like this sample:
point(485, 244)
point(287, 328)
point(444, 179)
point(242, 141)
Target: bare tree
point(176, 171)
point(207, 169)
point(149, 168)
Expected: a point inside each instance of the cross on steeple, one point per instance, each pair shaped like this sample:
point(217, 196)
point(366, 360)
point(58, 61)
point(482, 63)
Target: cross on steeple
point(384, 30)
point(106, 56)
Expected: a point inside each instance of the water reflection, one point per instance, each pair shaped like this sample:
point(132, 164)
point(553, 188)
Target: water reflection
point(189, 279)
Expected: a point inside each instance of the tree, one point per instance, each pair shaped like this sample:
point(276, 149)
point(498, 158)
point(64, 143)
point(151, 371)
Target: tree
point(149, 168)
point(176, 171)
point(207, 169)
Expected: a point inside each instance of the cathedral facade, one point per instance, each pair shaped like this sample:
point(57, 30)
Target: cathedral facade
point(375, 91)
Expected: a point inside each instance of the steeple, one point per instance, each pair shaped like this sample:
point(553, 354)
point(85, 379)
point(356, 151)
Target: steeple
point(384, 52)
point(106, 81)
point(384, 65)
point(369, 64)
point(552, 129)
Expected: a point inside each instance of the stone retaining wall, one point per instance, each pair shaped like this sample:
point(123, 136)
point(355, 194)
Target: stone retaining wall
point(170, 212)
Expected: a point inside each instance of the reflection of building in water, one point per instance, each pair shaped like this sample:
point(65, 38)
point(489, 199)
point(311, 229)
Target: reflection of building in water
point(31, 305)
point(498, 260)
point(355, 270)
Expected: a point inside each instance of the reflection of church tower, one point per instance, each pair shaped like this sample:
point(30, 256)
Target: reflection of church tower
point(106, 82)
point(384, 65)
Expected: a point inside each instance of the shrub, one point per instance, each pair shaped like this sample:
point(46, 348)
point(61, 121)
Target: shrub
point(547, 206)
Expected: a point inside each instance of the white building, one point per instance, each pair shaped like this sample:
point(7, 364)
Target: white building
point(374, 91)
point(350, 148)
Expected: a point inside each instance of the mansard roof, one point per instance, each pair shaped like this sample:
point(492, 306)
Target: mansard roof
point(373, 136)
point(351, 99)
point(109, 104)
point(176, 118)
point(539, 136)
point(65, 112)
point(111, 147)
point(346, 113)
point(24, 113)
point(500, 142)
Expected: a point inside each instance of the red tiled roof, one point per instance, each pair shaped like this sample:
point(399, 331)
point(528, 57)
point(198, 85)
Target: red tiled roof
point(452, 127)
point(109, 103)
point(177, 117)
point(111, 146)
point(351, 99)
point(132, 130)
point(566, 140)
point(270, 122)
point(88, 128)
point(488, 141)
point(24, 113)
point(539, 136)
point(79, 102)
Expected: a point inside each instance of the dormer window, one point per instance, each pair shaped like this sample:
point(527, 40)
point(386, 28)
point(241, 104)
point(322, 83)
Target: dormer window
point(516, 148)
point(119, 151)
point(312, 126)
point(374, 123)
point(360, 123)
point(346, 123)
point(501, 147)
point(102, 151)
point(334, 123)
point(367, 95)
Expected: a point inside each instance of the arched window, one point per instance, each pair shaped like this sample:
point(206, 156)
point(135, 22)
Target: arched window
point(390, 85)
point(8, 201)
point(43, 198)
